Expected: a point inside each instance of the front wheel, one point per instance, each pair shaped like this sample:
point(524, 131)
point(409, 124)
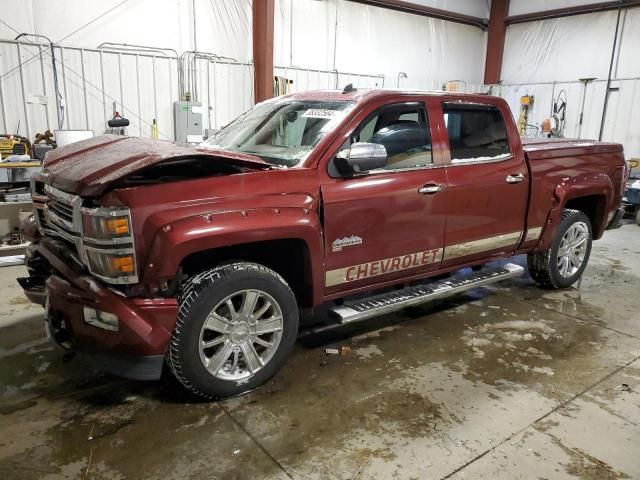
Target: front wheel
point(236, 325)
point(564, 262)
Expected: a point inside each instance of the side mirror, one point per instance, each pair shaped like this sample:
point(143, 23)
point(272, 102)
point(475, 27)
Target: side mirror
point(360, 158)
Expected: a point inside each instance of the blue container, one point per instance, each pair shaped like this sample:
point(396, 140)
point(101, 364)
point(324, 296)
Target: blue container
point(632, 194)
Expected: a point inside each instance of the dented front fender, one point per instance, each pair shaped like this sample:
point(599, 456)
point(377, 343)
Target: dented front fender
point(177, 240)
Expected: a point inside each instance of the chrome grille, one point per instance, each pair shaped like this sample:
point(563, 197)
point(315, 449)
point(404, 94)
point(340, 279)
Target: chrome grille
point(42, 221)
point(61, 209)
point(59, 215)
point(62, 212)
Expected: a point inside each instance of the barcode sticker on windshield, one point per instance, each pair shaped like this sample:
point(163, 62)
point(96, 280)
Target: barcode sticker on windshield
point(319, 113)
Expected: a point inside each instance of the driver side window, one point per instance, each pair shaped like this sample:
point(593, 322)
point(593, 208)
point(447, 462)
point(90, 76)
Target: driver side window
point(403, 130)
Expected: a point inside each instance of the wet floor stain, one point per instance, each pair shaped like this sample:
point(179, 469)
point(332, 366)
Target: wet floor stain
point(396, 388)
point(20, 300)
point(587, 467)
point(423, 392)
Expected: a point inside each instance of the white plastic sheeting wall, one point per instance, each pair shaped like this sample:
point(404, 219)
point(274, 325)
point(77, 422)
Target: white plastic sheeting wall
point(475, 8)
point(223, 26)
point(519, 7)
point(351, 37)
point(143, 85)
point(304, 79)
point(369, 47)
point(562, 49)
point(565, 50)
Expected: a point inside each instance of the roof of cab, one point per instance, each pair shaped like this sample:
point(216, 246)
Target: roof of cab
point(361, 94)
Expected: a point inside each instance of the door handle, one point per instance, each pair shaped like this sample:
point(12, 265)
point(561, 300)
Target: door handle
point(430, 189)
point(517, 178)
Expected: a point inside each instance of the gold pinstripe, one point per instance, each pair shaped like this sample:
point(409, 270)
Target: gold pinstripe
point(339, 276)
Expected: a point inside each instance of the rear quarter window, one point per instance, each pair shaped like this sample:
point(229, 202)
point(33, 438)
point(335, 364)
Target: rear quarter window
point(476, 132)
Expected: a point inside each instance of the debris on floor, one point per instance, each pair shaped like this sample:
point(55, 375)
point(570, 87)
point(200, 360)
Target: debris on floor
point(343, 351)
point(11, 260)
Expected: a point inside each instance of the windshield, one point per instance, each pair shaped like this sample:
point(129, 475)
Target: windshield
point(281, 132)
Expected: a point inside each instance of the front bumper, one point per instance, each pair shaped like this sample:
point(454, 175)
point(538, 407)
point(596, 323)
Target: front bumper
point(135, 350)
point(34, 289)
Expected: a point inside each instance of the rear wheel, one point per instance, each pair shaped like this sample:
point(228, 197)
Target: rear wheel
point(564, 262)
point(638, 216)
point(236, 325)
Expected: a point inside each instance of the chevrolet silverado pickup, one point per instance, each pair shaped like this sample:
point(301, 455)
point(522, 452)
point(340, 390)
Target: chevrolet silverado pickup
point(152, 257)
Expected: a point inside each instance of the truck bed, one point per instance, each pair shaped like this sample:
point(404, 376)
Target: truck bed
point(556, 162)
point(538, 148)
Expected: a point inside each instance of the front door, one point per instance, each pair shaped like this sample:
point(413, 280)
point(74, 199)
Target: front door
point(488, 184)
point(389, 223)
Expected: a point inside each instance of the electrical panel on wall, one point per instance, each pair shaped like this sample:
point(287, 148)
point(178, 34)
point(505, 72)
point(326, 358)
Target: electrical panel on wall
point(187, 118)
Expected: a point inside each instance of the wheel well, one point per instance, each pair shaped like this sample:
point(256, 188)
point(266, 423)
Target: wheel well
point(288, 257)
point(593, 206)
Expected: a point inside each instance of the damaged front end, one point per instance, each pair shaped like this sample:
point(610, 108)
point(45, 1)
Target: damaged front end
point(91, 226)
point(37, 266)
point(39, 270)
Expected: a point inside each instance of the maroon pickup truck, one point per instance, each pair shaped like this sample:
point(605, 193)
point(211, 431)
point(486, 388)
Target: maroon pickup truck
point(151, 256)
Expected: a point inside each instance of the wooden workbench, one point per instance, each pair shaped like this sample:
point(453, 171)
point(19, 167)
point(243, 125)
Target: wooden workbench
point(19, 164)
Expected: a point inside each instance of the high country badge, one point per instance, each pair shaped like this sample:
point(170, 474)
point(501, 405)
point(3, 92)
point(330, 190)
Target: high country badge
point(339, 243)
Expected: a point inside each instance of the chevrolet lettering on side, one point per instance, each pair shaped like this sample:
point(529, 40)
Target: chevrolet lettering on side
point(152, 257)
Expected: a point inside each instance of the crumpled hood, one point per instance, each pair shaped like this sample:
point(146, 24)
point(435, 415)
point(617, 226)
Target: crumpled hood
point(89, 167)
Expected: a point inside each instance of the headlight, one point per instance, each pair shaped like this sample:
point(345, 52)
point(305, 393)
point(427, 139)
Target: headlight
point(111, 265)
point(107, 238)
point(104, 224)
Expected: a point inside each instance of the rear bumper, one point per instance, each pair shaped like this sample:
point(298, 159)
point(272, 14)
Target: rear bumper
point(135, 350)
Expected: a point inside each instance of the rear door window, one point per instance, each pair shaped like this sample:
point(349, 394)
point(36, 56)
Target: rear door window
point(476, 132)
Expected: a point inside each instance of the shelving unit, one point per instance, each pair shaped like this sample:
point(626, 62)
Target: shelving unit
point(9, 211)
point(7, 250)
point(26, 202)
point(9, 215)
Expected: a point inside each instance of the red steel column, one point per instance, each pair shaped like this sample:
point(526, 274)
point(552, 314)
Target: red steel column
point(495, 41)
point(263, 48)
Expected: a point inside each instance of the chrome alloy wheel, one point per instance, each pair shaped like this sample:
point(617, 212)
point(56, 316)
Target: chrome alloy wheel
point(240, 335)
point(573, 248)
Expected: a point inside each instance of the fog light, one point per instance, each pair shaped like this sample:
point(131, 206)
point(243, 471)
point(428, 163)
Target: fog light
point(100, 319)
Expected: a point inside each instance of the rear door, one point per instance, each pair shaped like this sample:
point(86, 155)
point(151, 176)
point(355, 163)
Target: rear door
point(389, 223)
point(488, 183)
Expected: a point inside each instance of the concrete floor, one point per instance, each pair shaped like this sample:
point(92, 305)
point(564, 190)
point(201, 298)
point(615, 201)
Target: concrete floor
point(507, 382)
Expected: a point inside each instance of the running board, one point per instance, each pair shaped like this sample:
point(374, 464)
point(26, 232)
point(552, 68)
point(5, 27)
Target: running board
point(361, 309)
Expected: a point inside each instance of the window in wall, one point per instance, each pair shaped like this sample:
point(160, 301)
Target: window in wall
point(403, 130)
point(476, 132)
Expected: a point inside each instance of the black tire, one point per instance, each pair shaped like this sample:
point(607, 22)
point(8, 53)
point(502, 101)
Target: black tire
point(638, 216)
point(199, 297)
point(543, 266)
